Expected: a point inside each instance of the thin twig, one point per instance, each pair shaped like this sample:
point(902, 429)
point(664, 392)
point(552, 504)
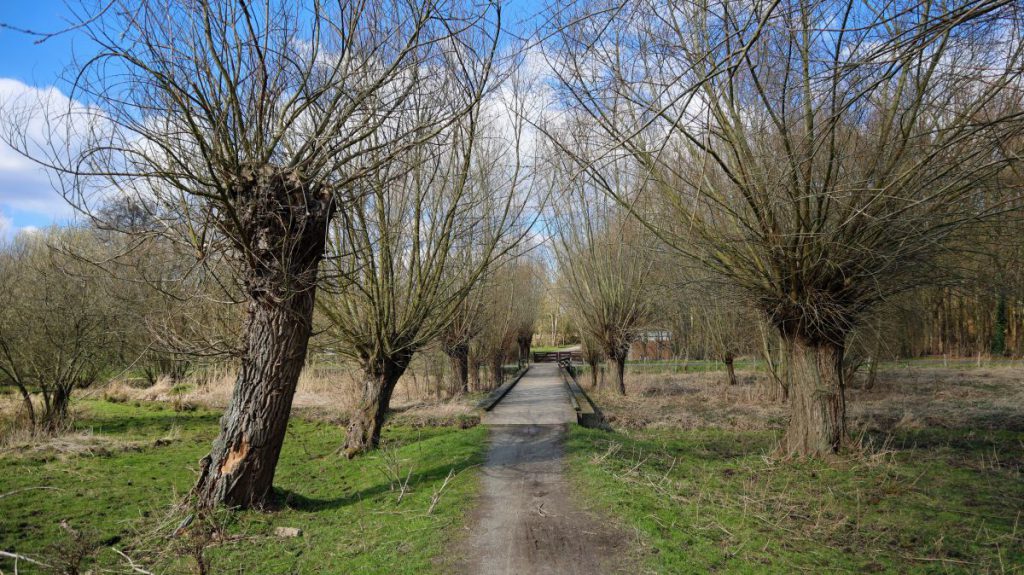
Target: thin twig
point(131, 563)
point(405, 486)
point(16, 491)
point(17, 557)
point(437, 494)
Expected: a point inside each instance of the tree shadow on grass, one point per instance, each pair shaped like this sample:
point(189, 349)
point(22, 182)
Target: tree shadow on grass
point(147, 425)
point(293, 500)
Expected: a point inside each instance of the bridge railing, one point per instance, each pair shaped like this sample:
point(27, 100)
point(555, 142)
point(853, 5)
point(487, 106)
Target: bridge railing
point(556, 356)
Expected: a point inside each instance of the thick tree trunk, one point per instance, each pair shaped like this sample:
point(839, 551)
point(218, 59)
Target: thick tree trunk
point(593, 374)
point(55, 414)
point(497, 372)
point(474, 373)
point(619, 362)
point(379, 380)
point(817, 425)
point(459, 356)
point(730, 367)
point(239, 471)
point(281, 229)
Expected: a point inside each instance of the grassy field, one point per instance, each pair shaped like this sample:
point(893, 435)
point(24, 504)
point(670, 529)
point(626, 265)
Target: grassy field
point(933, 484)
point(115, 481)
point(933, 501)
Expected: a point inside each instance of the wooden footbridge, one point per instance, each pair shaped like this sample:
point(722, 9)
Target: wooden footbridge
point(557, 356)
point(545, 393)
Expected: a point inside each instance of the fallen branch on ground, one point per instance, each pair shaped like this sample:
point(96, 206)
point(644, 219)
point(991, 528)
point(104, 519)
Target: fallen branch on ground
point(131, 563)
point(437, 494)
point(17, 558)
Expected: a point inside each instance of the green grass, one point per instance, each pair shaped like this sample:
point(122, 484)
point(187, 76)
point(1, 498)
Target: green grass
point(548, 348)
point(143, 459)
point(711, 501)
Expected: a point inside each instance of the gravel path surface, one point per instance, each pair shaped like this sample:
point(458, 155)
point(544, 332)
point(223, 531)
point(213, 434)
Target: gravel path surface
point(527, 521)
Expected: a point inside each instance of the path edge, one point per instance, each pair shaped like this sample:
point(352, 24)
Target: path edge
point(587, 412)
point(497, 395)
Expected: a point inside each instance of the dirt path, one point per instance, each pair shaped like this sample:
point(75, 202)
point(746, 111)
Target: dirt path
point(527, 522)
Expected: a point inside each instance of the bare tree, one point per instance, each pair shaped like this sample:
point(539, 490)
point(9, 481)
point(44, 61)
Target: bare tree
point(816, 155)
point(530, 276)
point(479, 325)
point(248, 127)
point(457, 337)
point(62, 324)
point(605, 265)
point(593, 355)
point(395, 282)
point(499, 310)
point(495, 341)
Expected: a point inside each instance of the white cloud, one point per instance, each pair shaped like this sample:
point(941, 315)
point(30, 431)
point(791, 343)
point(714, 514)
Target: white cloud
point(25, 186)
point(8, 229)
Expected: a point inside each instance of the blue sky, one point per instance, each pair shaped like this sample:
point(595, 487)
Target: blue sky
point(27, 199)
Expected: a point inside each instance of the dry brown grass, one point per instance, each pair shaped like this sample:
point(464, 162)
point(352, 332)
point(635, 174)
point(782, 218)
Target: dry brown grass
point(982, 398)
point(15, 427)
point(67, 445)
point(324, 394)
point(690, 401)
point(330, 394)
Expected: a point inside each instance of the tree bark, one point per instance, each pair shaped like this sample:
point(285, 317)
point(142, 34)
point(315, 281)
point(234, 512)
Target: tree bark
point(817, 425)
point(593, 374)
point(459, 356)
point(281, 231)
point(497, 371)
point(474, 373)
point(619, 361)
point(729, 360)
point(379, 380)
point(55, 413)
point(239, 471)
point(785, 371)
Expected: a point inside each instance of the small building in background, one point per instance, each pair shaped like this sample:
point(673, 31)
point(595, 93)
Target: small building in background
point(651, 344)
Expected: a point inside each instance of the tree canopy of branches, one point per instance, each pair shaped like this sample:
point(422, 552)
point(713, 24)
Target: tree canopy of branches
point(63, 324)
point(244, 128)
point(396, 278)
point(604, 258)
point(817, 155)
point(531, 277)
